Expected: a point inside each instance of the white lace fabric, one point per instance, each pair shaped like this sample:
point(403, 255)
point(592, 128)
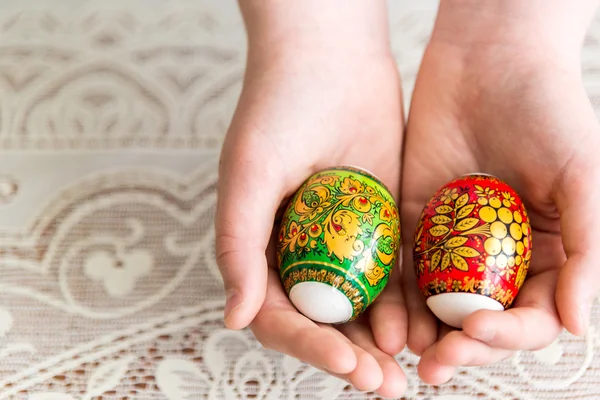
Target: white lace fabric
point(112, 115)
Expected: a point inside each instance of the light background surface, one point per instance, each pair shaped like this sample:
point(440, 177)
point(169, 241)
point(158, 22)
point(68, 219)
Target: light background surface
point(112, 114)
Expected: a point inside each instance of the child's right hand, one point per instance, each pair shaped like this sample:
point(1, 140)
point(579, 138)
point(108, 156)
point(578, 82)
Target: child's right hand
point(301, 111)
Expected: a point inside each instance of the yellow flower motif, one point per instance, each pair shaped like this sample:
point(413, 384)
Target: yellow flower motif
point(351, 186)
point(292, 235)
point(342, 230)
point(449, 195)
point(507, 199)
point(296, 237)
point(508, 272)
point(293, 229)
point(315, 230)
point(312, 202)
point(481, 192)
point(373, 272)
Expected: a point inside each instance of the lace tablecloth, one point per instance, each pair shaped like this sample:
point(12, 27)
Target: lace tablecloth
point(111, 118)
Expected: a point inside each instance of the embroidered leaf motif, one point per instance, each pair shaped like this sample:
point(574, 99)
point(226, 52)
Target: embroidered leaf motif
point(6, 321)
point(435, 260)
point(550, 355)
point(460, 263)
point(462, 200)
point(108, 376)
point(456, 241)
point(466, 252)
point(443, 209)
point(50, 396)
point(465, 211)
point(439, 230)
point(180, 379)
point(441, 219)
point(291, 365)
point(332, 387)
point(466, 224)
point(445, 261)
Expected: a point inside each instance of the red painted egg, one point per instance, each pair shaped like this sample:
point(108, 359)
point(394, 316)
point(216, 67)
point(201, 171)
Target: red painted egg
point(472, 247)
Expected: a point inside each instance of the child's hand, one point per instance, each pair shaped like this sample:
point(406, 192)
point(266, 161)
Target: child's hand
point(494, 96)
point(303, 109)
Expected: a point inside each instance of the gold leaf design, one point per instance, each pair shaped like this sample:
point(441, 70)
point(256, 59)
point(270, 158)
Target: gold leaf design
point(443, 209)
point(419, 234)
point(435, 260)
point(361, 204)
point(456, 241)
point(373, 272)
point(460, 263)
point(382, 230)
point(465, 211)
point(311, 201)
point(438, 230)
point(368, 217)
point(462, 200)
point(441, 219)
point(466, 252)
point(466, 224)
point(351, 186)
point(445, 261)
point(341, 235)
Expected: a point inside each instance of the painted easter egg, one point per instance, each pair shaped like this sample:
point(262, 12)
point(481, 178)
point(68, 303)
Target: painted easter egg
point(472, 247)
point(337, 244)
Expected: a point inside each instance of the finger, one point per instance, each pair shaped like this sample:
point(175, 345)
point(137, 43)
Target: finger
point(388, 317)
point(246, 207)
point(577, 200)
point(548, 253)
point(532, 324)
point(279, 326)
point(431, 371)
point(386, 377)
point(444, 330)
point(459, 349)
point(422, 324)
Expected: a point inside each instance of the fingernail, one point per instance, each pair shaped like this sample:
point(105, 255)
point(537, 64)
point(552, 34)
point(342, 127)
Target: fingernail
point(584, 316)
point(234, 301)
point(335, 374)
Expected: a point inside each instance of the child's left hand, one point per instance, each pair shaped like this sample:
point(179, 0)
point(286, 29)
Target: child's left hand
point(518, 110)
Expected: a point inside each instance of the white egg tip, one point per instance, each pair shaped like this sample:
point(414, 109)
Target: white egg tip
point(453, 308)
point(479, 173)
point(321, 302)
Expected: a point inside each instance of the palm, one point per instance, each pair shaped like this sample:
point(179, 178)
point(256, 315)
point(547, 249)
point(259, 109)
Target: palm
point(524, 124)
point(291, 122)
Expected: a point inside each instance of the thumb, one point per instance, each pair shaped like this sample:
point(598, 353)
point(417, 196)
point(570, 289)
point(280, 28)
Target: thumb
point(249, 192)
point(578, 202)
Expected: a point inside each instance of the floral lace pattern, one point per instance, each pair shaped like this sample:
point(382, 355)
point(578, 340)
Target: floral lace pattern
point(112, 114)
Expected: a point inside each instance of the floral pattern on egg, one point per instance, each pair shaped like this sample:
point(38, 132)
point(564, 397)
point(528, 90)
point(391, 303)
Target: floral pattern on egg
point(473, 236)
point(341, 228)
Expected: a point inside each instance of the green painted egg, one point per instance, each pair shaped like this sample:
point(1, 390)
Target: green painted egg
point(338, 244)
